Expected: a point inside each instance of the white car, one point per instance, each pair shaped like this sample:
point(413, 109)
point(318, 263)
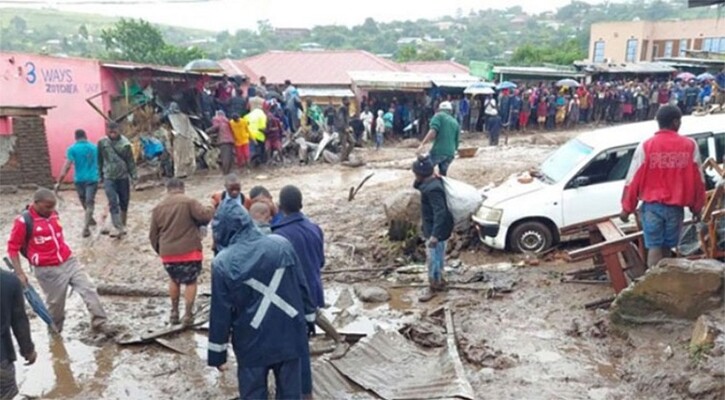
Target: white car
point(580, 181)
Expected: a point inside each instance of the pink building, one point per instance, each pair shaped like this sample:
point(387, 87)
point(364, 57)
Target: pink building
point(64, 84)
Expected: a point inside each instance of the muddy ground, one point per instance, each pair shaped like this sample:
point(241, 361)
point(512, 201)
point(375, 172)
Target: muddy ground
point(537, 342)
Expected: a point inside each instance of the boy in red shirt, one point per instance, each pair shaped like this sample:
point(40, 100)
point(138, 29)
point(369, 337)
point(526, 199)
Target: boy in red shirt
point(55, 266)
point(666, 176)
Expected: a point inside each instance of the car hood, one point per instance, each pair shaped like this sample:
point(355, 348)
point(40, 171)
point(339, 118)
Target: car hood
point(510, 189)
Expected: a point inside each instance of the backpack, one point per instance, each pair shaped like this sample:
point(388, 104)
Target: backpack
point(28, 219)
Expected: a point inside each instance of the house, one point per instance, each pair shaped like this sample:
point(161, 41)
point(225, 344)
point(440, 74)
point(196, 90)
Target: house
point(24, 146)
point(81, 93)
point(637, 41)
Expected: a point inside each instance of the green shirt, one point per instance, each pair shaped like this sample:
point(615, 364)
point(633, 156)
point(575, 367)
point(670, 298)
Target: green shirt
point(115, 159)
point(447, 135)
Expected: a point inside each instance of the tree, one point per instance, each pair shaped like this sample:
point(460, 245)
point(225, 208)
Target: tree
point(18, 24)
point(139, 41)
point(430, 53)
point(407, 53)
point(554, 53)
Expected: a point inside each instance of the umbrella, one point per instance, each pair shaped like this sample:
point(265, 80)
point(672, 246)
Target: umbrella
point(568, 83)
point(706, 76)
point(36, 303)
point(203, 65)
point(480, 88)
point(686, 76)
point(506, 85)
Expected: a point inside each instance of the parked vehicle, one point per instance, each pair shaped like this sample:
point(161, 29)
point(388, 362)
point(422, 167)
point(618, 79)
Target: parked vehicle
point(580, 181)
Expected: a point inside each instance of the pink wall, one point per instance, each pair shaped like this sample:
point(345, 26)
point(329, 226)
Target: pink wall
point(64, 83)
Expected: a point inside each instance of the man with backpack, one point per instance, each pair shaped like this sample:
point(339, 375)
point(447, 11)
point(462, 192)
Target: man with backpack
point(38, 235)
point(117, 167)
point(437, 223)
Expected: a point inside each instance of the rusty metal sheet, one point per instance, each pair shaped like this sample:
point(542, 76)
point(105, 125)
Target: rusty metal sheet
point(328, 383)
point(394, 368)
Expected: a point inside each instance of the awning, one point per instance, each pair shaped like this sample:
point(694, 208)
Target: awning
point(325, 92)
point(509, 72)
point(627, 68)
point(390, 81)
point(157, 68)
point(456, 81)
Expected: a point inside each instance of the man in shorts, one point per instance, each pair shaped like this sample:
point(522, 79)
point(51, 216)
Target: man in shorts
point(175, 236)
point(666, 175)
point(12, 319)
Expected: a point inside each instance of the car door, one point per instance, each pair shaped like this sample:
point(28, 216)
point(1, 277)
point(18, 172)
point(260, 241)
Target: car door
point(596, 191)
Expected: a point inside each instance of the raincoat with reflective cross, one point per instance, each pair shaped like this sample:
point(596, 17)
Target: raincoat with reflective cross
point(259, 296)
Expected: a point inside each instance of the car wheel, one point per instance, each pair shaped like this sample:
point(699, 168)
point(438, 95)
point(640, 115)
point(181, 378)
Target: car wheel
point(531, 237)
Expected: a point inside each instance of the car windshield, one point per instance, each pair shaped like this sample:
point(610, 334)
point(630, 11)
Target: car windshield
point(568, 156)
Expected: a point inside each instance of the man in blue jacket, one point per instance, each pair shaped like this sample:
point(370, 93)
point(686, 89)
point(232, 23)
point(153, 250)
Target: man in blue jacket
point(260, 299)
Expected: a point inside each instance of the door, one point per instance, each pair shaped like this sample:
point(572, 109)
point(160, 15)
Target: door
point(596, 191)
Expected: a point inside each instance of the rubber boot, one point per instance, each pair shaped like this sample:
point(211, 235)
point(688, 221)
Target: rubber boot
point(124, 218)
point(174, 317)
point(118, 228)
point(430, 292)
point(90, 221)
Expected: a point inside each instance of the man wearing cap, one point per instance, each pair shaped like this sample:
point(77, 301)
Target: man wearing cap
point(437, 223)
point(445, 134)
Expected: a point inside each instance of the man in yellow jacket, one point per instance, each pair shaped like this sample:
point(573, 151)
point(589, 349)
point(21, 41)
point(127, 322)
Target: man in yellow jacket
point(257, 123)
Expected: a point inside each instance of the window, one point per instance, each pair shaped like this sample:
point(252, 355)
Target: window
point(722, 45)
point(609, 166)
point(668, 48)
point(683, 47)
point(631, 55)
point(557, 166)
point(706, 44)
point(599, 51)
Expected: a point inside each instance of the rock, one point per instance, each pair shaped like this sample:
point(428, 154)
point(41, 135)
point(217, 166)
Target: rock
point(410, 143)
point(703, 384)
point(402, 213)
point(372, 294)
point(8, 189)
point(487, 374)
point(705, 332)
point(674, 288)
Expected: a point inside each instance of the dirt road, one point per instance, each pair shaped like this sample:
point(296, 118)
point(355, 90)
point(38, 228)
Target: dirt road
point(534, 343)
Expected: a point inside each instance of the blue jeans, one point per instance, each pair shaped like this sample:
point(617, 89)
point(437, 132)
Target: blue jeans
point(662, 225)
point(436, 259)
point(443, 163)
point(87, 193)
point(287, 376)
point(118, 192)
point(378, 140)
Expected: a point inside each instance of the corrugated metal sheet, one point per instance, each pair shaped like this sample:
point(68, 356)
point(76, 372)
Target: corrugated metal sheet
point(308, 67)
point(390, 80)
point(157, 68)
point(538, 71)
point(325, 92)
point(461, 81)
point(328, 383)
point(394, 368)
point(436, 67)
point(628, 68)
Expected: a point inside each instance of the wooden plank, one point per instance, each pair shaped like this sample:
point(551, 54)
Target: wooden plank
point(23, 111)
point(609, 231)
point(593, 250)
point(615, 272)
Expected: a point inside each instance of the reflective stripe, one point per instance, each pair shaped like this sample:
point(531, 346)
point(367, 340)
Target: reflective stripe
point(311, 317)
point(270, 297)
point(217, 348)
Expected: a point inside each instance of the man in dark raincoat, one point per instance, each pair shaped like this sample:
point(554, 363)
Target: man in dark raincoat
point(260, 299)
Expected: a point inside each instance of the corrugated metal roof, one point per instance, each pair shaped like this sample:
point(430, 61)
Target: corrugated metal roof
point(436, 67)
point(308, 67)
point(325, 92)
point(158, 68)
point(394, 368)
point(628, 68)
point(453, 80)
point(538, 71)
point(390, 80)
point(328, 383)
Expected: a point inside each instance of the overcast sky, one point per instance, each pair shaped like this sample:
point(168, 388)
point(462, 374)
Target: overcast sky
point(236, 14)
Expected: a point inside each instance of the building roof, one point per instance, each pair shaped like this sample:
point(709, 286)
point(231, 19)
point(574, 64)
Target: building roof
point(132, 66)
point(436, 67)
point(538, 71)
point(627, 68)
point(387, 80)
point(305, 68)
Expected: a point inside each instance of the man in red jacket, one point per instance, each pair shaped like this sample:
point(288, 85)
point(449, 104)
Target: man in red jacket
point(55, 266)
point(666, 176)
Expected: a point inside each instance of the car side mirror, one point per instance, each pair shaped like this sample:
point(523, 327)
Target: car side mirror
point(580, 181)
